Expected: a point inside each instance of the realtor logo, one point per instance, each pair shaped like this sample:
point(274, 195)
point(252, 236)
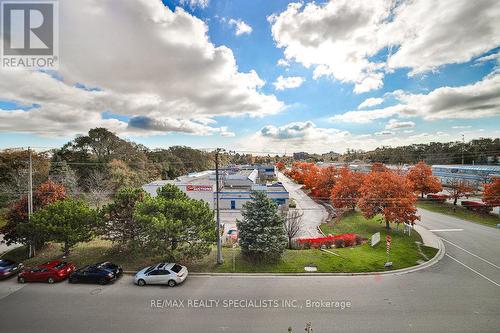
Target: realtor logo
point(30, 34)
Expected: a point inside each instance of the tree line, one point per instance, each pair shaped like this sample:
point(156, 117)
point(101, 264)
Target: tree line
point(170, 224)
point(390, 193)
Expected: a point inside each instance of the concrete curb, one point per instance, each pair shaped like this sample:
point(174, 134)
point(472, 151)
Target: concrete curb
point(439, 255)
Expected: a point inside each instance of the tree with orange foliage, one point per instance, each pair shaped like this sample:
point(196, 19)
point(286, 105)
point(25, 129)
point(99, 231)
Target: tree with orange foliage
point(491, 194)
point(346, 192)
point(458, 188)
point(326, 180)
point(280, 165)
point(422, 180)
point(390, 195)
point(311, 176)
point(45, 194)
point(300, 170)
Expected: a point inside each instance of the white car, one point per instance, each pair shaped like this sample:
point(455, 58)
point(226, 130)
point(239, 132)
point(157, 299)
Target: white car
point(170, 274)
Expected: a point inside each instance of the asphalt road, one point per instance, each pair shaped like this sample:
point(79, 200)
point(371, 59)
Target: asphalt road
point(447, 297)
point(314, 213)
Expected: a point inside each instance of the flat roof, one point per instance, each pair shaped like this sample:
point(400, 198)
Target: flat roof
point(495, 168)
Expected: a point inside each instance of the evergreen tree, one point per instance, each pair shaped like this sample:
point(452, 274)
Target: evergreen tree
point(261, 233)
point(176, 226)
point(67, 221)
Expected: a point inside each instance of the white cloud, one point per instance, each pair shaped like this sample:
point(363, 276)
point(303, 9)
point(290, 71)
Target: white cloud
point(395, 124)
point(461, 127)
point(341, 38)
point(290, 82)
point(473, 101)
point(283, 63)
point(490, 57)
point(147, 61)
point(306, 136)
point(384, 133)
point(195, 3)
point(369, 102)
point(241, 27)
point(294, 137)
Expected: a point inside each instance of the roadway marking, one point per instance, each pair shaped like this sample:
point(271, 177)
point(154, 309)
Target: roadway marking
point(444, 230)
point(472, 254)
point(472, 269)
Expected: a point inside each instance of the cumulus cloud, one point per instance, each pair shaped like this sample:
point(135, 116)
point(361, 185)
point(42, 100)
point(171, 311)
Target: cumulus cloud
point(147, 61)
point(477, 100)
point(290, 82)
point(369, 102)
point(342, 38)
point(396, 124)
point(295, 136)
point(241, 27)
point(306, 136)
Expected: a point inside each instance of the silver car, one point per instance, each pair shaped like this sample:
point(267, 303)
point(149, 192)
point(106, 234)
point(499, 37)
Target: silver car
point(170, 274)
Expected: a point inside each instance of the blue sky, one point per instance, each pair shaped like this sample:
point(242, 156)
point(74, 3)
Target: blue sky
point(316, 115)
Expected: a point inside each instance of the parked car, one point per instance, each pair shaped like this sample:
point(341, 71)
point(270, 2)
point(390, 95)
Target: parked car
point(52, 271)
point(9, 268)
point(164, 273)
point(115, 269)
point(93, 274)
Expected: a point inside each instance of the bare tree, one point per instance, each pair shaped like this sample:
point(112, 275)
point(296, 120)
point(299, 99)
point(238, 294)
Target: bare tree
point(292, 221)
point(98, 188)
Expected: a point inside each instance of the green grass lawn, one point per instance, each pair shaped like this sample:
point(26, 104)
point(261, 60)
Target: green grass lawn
point(361, 258)
point(84, 254)
point(459, 212)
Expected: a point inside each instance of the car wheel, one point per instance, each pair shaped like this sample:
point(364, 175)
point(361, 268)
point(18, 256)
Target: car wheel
point(141, 282)
point(21, 280)
point(102, 281)
point(50, 280)
point(171, 283)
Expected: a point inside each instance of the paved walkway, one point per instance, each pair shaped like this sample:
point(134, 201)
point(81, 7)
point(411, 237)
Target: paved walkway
point(314, 213)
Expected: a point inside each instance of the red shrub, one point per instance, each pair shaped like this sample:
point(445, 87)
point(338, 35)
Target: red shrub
point(316, 243)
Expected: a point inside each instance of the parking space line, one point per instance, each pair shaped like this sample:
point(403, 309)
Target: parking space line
point(472, 254)
point(472, 269)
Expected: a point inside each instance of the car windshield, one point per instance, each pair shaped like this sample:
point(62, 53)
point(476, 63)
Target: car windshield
point(104, 264)
point(149, 269)
point(59, 266)
point(176, 268)
point(5, 262)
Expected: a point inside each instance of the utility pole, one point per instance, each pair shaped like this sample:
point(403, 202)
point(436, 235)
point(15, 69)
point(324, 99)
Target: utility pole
point(30, 198)
point(219, 241)
point(463, 145)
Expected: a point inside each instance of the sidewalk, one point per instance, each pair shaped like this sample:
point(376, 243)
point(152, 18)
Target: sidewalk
point(428, 238)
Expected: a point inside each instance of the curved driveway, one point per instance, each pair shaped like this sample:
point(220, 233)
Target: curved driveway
point(458, 294)
point(314, 213)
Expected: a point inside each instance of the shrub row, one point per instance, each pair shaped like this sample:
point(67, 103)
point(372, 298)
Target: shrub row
point(338, 241)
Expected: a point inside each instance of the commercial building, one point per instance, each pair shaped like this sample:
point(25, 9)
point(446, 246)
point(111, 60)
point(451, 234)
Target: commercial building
point(236, 186)
point(475, 175)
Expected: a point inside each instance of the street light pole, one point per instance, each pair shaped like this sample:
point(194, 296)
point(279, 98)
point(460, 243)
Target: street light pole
point(30, 198)
point(463, 144)
point(219, 241)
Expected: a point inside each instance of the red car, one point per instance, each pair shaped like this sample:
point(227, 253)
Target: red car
point(52, 271)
